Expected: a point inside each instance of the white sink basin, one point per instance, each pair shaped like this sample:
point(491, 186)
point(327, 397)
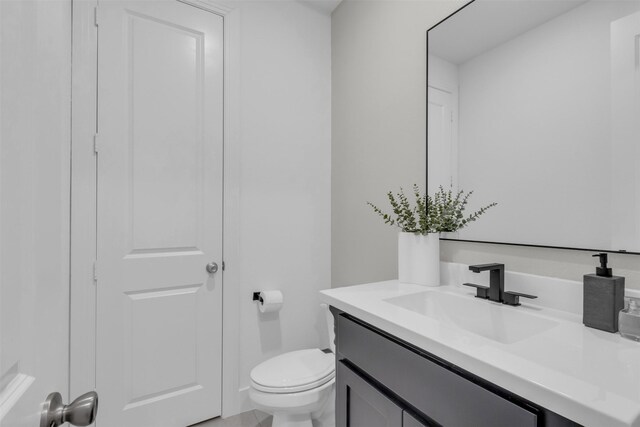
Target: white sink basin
point(495, 321)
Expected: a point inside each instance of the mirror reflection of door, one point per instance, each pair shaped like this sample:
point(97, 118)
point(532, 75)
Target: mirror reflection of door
point(625, 128)
point(441, 110)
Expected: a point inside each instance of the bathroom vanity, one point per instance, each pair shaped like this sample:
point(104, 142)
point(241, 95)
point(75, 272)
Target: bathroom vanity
point(414, 356)
point(384, 381)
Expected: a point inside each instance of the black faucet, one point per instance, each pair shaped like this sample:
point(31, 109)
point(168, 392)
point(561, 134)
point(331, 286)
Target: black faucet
point(495, 292)
point(496, 281)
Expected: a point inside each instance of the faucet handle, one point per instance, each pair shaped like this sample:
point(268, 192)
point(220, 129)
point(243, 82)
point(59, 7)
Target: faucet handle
point(513, 298)
point(481, 291)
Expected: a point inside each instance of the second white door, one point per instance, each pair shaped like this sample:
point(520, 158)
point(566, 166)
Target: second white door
point(441, 154)
point(160, 134)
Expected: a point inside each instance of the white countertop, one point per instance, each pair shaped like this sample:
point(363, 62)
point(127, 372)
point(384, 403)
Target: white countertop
point(589, 376)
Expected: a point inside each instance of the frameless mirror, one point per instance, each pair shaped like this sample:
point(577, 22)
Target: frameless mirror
point(535, 105)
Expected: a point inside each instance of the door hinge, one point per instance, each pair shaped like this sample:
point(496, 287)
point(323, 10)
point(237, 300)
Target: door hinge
point(95, 144)
point(222, 265)
point(95, 272)
point(96, 16)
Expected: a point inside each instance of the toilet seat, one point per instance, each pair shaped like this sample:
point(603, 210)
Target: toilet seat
point(293, 372)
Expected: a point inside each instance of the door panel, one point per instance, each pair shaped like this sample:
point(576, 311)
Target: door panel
point(166, 187)
point(409, 420)
point(360, 404)
point(35, 108)
point(159, 213)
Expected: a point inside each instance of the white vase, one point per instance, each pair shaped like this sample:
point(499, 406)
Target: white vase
point(419, 258)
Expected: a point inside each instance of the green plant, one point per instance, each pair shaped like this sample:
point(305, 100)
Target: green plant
point(444, 212)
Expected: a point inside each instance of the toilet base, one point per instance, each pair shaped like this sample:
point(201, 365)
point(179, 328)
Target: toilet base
point(285, 419)
point(326, 416)
point(311, 408)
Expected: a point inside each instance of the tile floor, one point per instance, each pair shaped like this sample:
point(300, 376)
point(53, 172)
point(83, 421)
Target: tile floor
point(246, 419)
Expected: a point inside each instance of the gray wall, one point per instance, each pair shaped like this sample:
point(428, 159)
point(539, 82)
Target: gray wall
point(378, 144)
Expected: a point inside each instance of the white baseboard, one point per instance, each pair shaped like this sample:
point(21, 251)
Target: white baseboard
point(245, 401)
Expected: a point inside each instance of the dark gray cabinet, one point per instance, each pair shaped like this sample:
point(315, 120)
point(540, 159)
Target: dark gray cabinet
point(409, 420)
point(361, 404)
point(383, 381)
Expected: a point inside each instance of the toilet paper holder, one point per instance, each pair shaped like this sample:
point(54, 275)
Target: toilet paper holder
point(257, 297)
point(268, 301)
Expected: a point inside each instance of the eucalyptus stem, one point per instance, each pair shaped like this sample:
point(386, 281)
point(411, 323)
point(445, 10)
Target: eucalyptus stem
point(444, 212)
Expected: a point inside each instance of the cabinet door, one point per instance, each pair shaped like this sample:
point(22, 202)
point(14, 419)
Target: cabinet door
point(360, 404)
point(409, 420)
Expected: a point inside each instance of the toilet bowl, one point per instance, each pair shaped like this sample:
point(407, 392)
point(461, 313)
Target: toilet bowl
point(298, 387)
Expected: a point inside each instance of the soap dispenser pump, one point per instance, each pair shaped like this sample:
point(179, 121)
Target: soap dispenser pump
point(603, 297)
point(603, 270)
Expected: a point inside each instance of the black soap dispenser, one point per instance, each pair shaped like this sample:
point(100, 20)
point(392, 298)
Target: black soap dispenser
point(603, 297)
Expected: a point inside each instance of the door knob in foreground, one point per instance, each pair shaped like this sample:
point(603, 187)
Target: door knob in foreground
point(212, 267)
point(80, 412)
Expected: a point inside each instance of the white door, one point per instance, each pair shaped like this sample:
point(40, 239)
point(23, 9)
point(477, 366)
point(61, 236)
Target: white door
point(442, 154)
point(159, 311)
point(625, 130)
point(35, 94)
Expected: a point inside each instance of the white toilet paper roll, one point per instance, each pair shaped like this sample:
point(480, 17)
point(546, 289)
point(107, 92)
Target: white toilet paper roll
point(270, 301)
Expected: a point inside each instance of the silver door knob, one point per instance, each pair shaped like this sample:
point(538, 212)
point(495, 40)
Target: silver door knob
point(212, 267)
point(80, 412)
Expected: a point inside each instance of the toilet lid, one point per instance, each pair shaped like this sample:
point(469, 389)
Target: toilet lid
point(294, 371)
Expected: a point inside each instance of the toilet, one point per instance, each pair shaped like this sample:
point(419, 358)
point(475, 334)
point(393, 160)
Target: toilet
point(298, 387)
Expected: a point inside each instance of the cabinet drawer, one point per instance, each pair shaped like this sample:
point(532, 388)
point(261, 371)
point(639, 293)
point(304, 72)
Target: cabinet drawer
point(442, 395)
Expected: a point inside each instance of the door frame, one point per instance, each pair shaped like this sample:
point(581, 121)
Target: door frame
point(83, 295)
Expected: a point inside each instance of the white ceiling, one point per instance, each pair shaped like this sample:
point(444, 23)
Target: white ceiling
point(485, 24)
